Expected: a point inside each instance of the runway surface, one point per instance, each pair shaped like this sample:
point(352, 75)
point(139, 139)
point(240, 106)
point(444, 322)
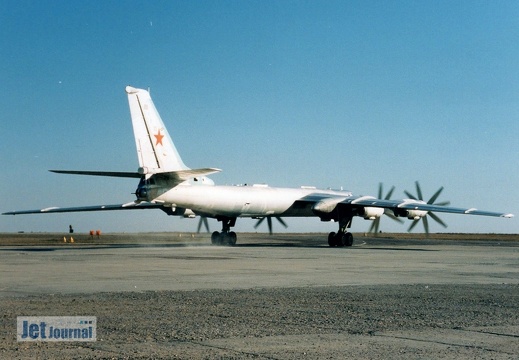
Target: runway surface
point(190, 265)
point(460, 281)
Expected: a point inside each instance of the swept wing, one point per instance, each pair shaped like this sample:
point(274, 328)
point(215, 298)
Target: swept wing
point(409, 204)
point(50, 210)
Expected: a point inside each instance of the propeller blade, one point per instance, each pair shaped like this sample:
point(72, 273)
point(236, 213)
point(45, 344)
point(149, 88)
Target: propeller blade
point(374, 226)
point(443, 203)
point(413, 224)
point(388, 196)
point(259, 223)
point(419, 191)
point(392, 216)
point(437, 219)
point(269, 222)
point(281, 221)
point(426, 225)
point(435, 196)
point(203, 220)
point(410, 196)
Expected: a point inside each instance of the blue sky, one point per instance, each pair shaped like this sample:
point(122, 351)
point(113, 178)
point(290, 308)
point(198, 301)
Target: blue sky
point(287, 93)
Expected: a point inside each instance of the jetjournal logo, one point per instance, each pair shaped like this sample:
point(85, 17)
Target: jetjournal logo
point(56, 328)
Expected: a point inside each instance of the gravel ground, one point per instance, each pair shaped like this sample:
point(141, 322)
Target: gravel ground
point(362, 322)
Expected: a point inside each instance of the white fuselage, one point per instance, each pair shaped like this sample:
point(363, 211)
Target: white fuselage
point(242, 201)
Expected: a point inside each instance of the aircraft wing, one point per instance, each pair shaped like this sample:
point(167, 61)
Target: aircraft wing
point(128, 206)
point(409, 204)
point(326, 203)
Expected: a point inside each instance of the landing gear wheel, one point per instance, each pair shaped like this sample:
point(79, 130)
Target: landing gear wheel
point(347, 239)
point(231, 238)
point(331, 239)
point(223, 238)
point(226, 236)
point(340, 239)
point(216, 238)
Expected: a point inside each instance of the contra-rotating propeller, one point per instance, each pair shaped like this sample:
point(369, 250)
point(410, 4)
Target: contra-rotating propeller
point(376, 223)
point(269, 222)
point(430, 202)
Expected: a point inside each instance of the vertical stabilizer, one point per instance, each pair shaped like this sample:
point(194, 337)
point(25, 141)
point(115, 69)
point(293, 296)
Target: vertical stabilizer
point(155, 149)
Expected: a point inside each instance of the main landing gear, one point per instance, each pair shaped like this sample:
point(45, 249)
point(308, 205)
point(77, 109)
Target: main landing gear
point(225, 237)
point(342, 237)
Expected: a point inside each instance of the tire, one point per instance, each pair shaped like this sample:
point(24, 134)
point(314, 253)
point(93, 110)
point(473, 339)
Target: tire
point(347, 239)
point(332, 241)
point(341, 240)
point(216, 238)
point(231, 238)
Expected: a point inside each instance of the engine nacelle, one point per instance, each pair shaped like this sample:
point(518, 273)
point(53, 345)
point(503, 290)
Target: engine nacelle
point(326, 206)
point(372, 213)
point(415, 214)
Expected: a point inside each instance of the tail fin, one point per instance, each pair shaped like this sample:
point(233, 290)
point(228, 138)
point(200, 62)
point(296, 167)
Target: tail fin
point(155, 149)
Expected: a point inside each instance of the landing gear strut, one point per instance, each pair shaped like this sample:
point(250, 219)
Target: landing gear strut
point(225, 237)
point(342, 237)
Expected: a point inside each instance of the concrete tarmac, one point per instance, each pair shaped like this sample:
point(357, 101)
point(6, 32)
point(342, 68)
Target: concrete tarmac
point(146, 264)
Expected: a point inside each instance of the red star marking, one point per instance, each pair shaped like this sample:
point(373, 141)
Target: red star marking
point(159, 138)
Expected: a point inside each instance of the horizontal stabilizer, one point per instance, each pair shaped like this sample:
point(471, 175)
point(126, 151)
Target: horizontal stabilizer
point(176, 176)
point(183, 175)
point(100, 173)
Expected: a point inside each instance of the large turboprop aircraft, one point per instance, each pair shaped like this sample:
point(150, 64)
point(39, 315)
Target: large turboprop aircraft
point(166, 183)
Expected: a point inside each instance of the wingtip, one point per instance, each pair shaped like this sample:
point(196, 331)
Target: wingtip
point(508, 216)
